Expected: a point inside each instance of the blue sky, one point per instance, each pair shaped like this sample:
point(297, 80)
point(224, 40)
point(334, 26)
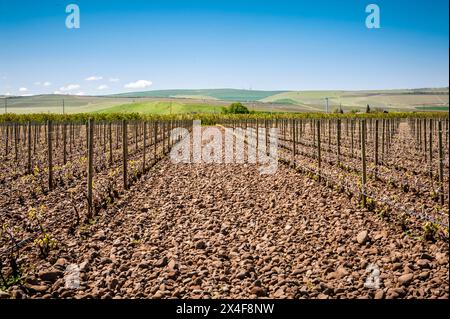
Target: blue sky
point(276, 45)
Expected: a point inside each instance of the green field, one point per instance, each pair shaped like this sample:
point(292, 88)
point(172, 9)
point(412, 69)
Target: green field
point(206, 94)
point(432, 108)
point(161, 108)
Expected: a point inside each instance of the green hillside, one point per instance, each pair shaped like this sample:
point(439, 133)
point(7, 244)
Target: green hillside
point(407, 100)
point(187, 101)
point(218, 94)
point(161, 108)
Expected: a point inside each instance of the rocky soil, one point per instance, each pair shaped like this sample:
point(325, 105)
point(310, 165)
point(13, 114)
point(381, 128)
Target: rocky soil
point(225, 231)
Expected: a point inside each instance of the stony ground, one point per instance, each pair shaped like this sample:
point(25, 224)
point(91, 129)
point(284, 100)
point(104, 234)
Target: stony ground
point(225, 231)
point(214, 231)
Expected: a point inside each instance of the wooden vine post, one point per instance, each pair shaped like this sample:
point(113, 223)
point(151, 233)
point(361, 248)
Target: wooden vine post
point(319, 158)
point(425, 139)
point(110, 144)
point(15, 142)
point(430, 147)
point(145, 147)
point(363, 159)
point(64, 133)
point(50, 154)
point(29, 148)
point(441, 164)
point(90, 169)
point(383, 140)
point(7, 140)
point(352, 128)
point(155, 128)
point(125, 153)
point(257, 136)
point(339, 142)
point(329, 135)
point(293, 141)
point(376, 149)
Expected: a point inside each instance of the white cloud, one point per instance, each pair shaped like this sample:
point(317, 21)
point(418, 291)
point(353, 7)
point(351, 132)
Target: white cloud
point(94, 78)
point(46, 83)
point(69, 87)
point(140, 84)
point(114, 80)
point(80, 93)
point(23, 89)
point(7, 94)
point(58, 92)
point(103, 87)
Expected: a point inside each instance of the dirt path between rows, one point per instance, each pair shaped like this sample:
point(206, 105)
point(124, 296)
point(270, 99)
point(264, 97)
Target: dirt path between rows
point(225, 231)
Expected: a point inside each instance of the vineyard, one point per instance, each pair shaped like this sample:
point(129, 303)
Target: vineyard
point(100, 192)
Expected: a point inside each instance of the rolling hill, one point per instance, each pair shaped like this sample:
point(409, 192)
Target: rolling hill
point(206, 94)
point(210, 100)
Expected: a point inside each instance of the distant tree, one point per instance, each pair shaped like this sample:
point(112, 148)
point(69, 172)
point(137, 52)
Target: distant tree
point(336, 110)
point(368, 109)
point(235, 108)
point(378, 110)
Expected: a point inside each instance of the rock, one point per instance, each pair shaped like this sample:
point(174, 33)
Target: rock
point(200, 244)
point(50, 276)
point(146, 264)
point(241, 275)
point(405, 279)
point(112, 283)
point(423, 263)
point(172, 265)
point(340, 272)
point(84, 266)
point(362, 237)
point(441, 258)
point(394, 293)
point(297, 271)
point(107, 296)
point(407, 270)
point(60, 263)
point(379, 294)
point(258, 291)
point(105, 261)
point(158, 295)
point(424, 275)
point(123, 268)
point(16, 293)
point(396, 266)
point(67, 294)
point(94, 254)
point(4, 295)
point(380, 235)
point(38, 288)
point(322, 296)
point(426, 256)
point(161, 262)
point(279, 293)
point(100, 235)
point(172, 274)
